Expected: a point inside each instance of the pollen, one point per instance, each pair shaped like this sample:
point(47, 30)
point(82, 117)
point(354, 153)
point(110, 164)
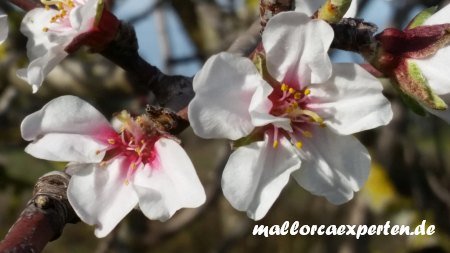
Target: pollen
point(297, 95)
point(284, 87)
point(299, 144)
point(291, 90)
point(275, 144)
point(307, 92)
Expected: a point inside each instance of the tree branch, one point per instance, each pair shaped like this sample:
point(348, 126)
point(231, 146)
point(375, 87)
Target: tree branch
point(44, 218)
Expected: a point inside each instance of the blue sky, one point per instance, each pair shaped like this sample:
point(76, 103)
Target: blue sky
point(379, 12)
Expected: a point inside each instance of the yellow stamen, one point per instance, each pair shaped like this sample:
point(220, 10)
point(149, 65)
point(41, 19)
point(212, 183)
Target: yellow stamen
point(314, 116)
point(275, 144)
point(299, 144)
point(45, 29)
point(127, 182)
point(297, 95)
point(133, 166)
point(111, 141)
point(291, 90)
point(307, 92)
point(138, 151)
point(284, 87)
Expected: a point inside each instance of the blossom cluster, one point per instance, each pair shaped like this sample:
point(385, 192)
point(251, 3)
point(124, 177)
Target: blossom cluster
point(288, 110)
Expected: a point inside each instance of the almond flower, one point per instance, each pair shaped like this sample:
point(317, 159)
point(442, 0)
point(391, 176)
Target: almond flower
point(416, 59)
point(299, 123)
point(112, 171)
point(434, 67)
point(51, 29)
point(3, 27)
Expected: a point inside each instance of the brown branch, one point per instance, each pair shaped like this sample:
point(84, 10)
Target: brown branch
point(44, 218)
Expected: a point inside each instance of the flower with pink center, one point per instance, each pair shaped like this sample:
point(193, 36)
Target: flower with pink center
point(298, 120)
point(113, 171)
point(51, 29)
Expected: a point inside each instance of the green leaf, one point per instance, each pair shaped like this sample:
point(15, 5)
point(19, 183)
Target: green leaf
point(422, 17)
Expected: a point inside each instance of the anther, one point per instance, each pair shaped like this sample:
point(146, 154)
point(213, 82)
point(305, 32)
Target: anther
point(284, 87)
point(299, 144)
point(275, 144)
point(307, 92)
point(291, 90)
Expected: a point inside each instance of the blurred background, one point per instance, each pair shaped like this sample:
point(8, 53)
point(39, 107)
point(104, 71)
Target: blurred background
point(409, 180)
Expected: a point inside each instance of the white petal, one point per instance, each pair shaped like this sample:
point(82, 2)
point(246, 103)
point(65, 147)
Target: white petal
point(44, 49)
point(39, 68)
point(351, 100)
point(309, 7)
point(440, 17)
point(333, 166)
point(435, 71)
point(260, 107)
point(224, 89)
point(3, 27)
point(352, 10)
point(65, 114)
point(255, 175)
point(100, 196)
point(170, 184)
point(67, 147)
point(82, 18)
point(297, 48)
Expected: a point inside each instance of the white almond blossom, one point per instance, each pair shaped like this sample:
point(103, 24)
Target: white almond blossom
point(302, 121)
point(50, 31)
point(111, 171)
point(434, 68)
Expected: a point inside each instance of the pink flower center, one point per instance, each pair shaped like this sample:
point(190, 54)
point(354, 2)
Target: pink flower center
point(62, 17)
point(132, 143)
point(293, 104)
